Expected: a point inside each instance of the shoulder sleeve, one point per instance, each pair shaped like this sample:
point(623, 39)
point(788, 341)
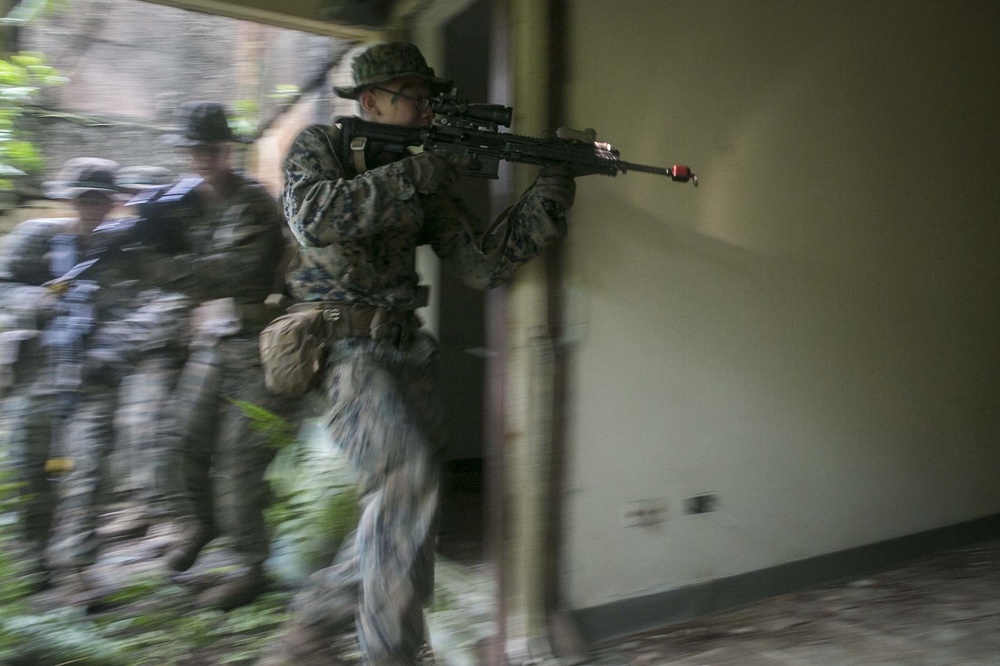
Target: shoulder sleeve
point(324, 204)
point(24, 252)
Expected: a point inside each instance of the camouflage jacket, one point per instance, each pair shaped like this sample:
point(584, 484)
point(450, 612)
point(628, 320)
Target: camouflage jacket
point(358, 233)
point(129, 316)
point(236, 247)
point(27, 261)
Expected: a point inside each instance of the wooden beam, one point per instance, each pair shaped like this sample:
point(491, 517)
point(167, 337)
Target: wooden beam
point(304, 15)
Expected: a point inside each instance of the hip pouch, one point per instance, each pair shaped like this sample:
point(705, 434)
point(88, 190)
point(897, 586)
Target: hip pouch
point(292, 352)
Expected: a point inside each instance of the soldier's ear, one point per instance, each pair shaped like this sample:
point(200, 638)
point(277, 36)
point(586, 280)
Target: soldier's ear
point(368, 102)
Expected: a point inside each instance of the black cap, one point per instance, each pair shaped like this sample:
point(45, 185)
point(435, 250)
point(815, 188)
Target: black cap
point(203, 123)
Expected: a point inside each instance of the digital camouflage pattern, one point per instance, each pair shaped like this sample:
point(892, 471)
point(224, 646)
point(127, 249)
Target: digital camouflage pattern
point(236, 249)
point(386, 61)
point(358, 235)
point(154, 325)
point(42, 426)
point(382, 407)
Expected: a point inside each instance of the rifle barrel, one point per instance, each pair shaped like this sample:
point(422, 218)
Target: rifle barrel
point(677, 172)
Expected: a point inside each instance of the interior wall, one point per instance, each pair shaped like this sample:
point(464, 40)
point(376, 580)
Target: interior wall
point(812, 334)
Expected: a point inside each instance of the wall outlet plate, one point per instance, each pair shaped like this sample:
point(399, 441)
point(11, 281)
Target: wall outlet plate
point(701, 503)
point(644, 512)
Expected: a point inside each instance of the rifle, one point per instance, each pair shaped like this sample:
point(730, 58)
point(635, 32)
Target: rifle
point(159, 225)
point(472, 131)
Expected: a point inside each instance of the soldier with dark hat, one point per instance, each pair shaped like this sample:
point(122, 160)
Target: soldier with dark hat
point(358, 219)
point(236, 251)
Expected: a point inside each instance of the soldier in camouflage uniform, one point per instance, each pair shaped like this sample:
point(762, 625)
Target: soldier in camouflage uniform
point(67, 412)
point(129, 318)
point(27, 405)
point(358, 226)
point(146, 393)
point(238, 246)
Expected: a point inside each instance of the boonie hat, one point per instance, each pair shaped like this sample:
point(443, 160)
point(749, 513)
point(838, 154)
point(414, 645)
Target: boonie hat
point(387, 61)
point(203, 123)
point(84, 174)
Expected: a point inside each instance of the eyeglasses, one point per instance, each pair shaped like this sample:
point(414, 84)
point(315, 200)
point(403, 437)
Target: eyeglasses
point(422, 103)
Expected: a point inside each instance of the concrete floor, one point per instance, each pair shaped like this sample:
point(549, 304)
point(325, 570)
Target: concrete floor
point(943, 610)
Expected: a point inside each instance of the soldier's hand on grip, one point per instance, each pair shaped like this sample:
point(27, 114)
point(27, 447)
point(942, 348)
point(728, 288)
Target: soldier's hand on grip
point(432, 171)
point(555, 184)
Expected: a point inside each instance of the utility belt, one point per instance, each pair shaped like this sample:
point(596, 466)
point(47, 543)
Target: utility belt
point(293, 347)
point(361, 320)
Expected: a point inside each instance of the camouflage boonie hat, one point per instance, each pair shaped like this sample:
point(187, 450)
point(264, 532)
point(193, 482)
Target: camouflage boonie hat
point(84, 174)
point(203, 123)
point(391, 60)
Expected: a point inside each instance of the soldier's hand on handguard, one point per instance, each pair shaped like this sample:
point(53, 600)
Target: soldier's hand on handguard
point(555, 185)
point(432, 171)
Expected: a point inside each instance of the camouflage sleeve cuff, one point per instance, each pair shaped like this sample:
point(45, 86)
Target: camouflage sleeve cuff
point(396, 181)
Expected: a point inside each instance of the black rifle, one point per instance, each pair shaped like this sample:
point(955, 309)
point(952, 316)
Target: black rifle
point(472, 131)
point(159, 225)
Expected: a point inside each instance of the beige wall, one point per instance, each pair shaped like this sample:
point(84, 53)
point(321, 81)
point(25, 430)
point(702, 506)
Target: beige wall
point(812, 333)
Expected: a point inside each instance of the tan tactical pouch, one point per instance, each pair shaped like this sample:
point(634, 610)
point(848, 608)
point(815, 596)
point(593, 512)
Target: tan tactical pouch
point(292, 352)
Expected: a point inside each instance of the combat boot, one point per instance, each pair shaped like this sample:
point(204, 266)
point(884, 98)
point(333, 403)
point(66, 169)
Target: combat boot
point(185, 551)
point(236, 590)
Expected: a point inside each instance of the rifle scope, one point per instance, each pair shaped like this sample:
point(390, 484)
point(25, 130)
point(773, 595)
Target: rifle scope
point(494, 114)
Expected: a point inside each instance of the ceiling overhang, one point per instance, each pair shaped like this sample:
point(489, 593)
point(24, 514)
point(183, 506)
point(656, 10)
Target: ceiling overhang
point(344, 19)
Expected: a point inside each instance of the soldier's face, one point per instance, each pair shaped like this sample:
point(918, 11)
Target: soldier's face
point(403, 102)
point(210, 160)
point(92, 207)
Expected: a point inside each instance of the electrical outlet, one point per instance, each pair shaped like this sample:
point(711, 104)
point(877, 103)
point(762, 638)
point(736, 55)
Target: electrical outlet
point(703, 503)
point(644, 512)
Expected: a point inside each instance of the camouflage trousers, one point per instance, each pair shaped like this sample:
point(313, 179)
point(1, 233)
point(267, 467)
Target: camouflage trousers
point(28, 425)
point(146, 408)
point(380, 405)
point(88, 439)
point(217, 457)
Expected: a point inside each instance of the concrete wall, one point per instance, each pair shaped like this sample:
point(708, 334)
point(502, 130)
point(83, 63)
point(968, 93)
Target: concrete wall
point(813, 333)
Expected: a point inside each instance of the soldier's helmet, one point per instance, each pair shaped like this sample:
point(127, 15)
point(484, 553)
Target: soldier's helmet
point(203, 123)
point(81, 175)
point(390, 60)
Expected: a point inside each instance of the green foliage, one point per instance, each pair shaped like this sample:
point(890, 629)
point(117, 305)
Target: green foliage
point(315, 507)
point(22, 76)
point(243, 120)
point(280, 432)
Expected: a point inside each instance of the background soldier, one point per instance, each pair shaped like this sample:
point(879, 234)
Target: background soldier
point(35, 252)
point(236, 249)
point(101, 326)
point(359, 217)
point(146, 393)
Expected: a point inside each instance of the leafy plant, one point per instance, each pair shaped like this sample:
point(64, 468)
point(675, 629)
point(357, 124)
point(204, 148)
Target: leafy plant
point(22, 76)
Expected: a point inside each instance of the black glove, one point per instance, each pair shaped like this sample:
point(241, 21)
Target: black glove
point(556, 186)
